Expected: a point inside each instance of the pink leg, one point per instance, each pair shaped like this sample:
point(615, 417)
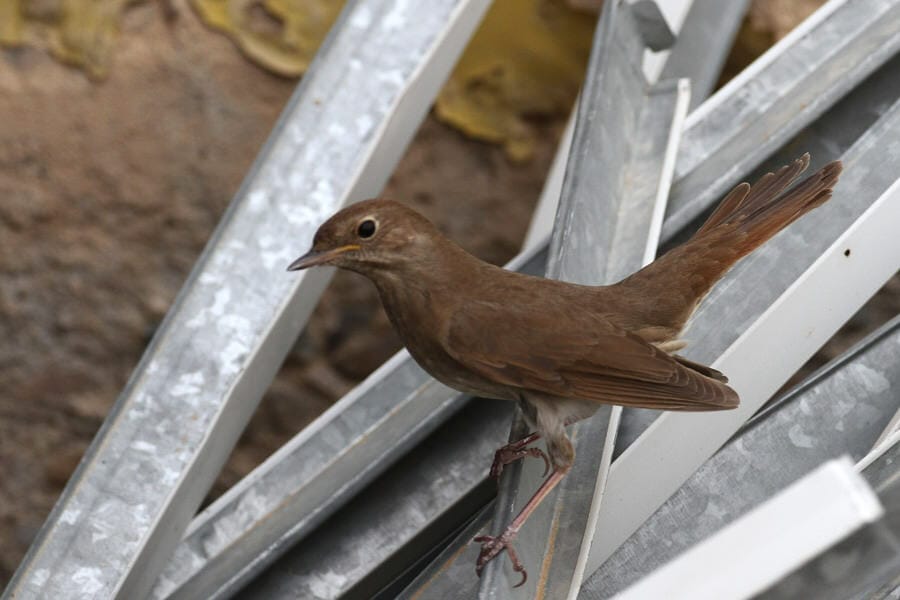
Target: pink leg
point(516, 451)
point(492, 546)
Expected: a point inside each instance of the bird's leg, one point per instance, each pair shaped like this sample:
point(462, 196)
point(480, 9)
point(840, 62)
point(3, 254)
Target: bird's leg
point(514, 451)
point(492, 546)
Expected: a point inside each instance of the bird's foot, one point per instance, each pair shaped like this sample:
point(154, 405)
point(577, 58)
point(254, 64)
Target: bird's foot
point(510, 453)
point(492, 546)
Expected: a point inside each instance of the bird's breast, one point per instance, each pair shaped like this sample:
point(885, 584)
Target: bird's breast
point(419, 317)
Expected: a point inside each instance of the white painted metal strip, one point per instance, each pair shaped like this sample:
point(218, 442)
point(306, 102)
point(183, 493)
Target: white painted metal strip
point(752, 553)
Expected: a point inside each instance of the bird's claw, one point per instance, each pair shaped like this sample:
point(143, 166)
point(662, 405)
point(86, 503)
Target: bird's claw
point(492, 546)
point(511, 453)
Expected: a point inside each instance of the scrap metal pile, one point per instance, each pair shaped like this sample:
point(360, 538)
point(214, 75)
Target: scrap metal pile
point(385, 491)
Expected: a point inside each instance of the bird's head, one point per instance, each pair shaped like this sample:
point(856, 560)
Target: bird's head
point(369, 235)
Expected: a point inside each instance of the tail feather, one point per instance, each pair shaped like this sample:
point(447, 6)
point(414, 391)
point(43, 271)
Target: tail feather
point(767, 189)
point(745, 219)
point(749, 216)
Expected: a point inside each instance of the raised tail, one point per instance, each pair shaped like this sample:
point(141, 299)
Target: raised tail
point(745, 219)
point(748, 216)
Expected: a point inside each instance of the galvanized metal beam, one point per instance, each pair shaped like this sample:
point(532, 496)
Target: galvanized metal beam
point(171, 430)
point(705, 35)
point(607, 226)
point(750, 554)
point(839, 410)
point(404, 513)
point(866, 564)
point(703, 45)
point(819, 266)
point(784, 90)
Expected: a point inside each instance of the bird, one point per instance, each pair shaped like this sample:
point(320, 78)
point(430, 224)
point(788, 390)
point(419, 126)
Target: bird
point(560, 350)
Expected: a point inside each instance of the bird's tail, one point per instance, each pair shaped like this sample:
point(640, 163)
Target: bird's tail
point(746, 218)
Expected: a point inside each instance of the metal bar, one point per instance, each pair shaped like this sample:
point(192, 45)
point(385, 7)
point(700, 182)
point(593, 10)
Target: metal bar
point(866, 565)
point(316, 472)
point(663, 458)
point(839, 410)
point(541, 225)
point(447, 576)
point(703, 44)
point(705, 35)
point(623, 150)
point(889, 430)
point(780, 93)
point(309, 478)
point(748, 555)
point(127, 506)
point(405, 510)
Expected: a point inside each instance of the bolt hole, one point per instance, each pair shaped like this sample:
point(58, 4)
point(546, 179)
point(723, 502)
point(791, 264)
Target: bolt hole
point(847, 252)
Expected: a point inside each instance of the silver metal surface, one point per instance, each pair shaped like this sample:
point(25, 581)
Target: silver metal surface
point(308, 479)
point(703, 45)
point(316, 472)
point(829, 137)
point(408, 510)
point(839, 410)
point(789, 528)
point(779, 94)
point(447, 575)
point(867, 564)
point(607, 226)
point(799, 263)
point(146, 473)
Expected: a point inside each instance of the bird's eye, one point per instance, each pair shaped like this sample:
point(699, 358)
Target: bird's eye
point(366, 229)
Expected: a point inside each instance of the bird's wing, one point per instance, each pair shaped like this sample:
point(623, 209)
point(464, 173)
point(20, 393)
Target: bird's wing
point(581, 356)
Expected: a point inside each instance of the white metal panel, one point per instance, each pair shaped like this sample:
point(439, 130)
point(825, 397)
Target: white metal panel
point(752, 553)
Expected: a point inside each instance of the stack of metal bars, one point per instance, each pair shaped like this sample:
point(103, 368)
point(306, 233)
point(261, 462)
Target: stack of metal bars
point(298, 527)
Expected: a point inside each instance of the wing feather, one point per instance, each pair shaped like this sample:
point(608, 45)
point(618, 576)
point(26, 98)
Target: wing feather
point(582, 356)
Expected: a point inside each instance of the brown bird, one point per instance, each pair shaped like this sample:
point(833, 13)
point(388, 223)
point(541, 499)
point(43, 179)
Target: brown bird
point(557, 348)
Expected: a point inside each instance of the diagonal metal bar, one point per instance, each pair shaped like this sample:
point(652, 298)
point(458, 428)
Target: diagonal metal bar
point(607, 226)
point(665, 456)
point(700, 49)
point(839, 410)
point(779, 94)
point(127, 506)
point(747, 556)
point(866, 564)
point(703, 44)
point(404, 511)
point(317, 471)
point(448, 575)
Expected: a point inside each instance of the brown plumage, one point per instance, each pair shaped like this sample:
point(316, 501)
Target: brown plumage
point(557, 348)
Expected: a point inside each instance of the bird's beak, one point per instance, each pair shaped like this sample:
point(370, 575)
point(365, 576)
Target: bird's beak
point(315, 258)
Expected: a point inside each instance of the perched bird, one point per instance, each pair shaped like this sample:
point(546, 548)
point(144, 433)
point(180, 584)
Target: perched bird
point(558, 349)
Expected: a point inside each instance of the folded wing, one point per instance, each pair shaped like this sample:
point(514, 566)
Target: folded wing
point(578, 356)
